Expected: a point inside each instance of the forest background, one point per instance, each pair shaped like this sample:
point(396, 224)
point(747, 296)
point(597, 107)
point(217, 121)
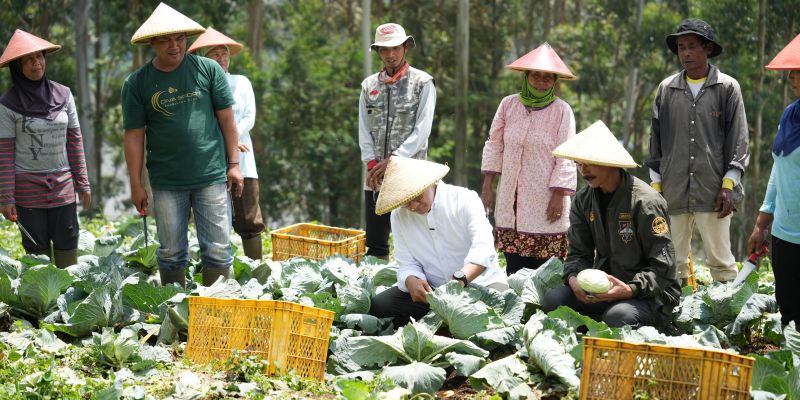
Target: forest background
point(306, 59)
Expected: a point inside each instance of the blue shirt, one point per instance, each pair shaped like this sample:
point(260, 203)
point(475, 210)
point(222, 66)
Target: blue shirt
point(782, 199)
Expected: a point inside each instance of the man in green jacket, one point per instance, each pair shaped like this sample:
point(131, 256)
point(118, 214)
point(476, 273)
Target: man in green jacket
point(618, 224)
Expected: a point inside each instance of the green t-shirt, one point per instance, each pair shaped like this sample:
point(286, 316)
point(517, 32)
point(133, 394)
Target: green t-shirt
point(185, 146)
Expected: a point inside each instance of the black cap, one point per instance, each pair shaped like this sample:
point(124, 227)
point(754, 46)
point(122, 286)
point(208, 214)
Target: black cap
point(697, 27)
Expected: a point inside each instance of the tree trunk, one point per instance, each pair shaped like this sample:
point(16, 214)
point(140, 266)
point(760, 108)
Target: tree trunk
point(99, 112)
point(85, 115)
point(462, 85)
point(633, 77)
point(366, 40)
point(756, 186)
point(255, 29)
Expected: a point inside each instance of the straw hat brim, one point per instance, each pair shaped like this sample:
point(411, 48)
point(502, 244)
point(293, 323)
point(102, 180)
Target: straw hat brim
point(22, 44)
point(544, 59)
point(596, 145)
point(788, 58)
point(561, 75)
point(213, 38)
point(165, 20)
point(405, 179)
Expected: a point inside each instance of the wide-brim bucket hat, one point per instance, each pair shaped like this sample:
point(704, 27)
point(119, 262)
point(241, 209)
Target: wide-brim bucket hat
point(212, 38)
point(165, 20)
point(596, 145)
point(23, 43)
point(696, 27)
point(391, 35)
point(544, 59)
point(788, 57)
point(405, 179)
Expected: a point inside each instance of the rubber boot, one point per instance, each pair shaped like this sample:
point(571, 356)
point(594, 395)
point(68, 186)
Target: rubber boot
point(65, 258)
point(170, 277)
point(252, 247)
point(210, 275)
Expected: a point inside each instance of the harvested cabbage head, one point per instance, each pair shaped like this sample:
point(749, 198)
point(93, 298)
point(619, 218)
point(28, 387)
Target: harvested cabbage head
point(594, 281)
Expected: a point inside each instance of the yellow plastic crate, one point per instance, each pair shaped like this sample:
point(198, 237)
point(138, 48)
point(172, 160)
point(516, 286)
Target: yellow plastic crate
point(289, 336)
point(615, 369)
point(317, 242)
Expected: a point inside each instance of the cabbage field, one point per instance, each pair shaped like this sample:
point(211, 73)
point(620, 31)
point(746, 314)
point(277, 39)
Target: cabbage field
point(106, 329)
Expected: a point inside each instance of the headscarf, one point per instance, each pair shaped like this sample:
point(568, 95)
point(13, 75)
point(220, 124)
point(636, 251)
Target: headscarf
point(532, 97)
point(37, 99)
point(788, 137)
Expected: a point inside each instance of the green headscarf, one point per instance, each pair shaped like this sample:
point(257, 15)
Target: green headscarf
point(532, 97)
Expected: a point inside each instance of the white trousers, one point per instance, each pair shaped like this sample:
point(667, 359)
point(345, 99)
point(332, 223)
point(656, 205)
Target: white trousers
point(716, 236)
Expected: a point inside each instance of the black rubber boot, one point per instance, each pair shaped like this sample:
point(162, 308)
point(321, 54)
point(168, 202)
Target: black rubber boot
point(170, 277)
point(252, 247)
point(210, 275)
point(65, 258)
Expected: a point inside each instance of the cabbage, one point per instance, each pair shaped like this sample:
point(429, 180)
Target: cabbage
point(594, 281)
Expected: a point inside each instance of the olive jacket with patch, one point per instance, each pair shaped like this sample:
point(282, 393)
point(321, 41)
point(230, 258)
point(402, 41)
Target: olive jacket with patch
point(631, 240)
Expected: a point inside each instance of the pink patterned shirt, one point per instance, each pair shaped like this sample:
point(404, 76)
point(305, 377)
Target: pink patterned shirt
point(519, 149)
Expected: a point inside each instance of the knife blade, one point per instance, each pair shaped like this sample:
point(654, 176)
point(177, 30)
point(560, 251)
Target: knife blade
point(24, 231)
point(751, 264)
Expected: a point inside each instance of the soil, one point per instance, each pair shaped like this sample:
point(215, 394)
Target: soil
point(759, 345)
point(458, 388)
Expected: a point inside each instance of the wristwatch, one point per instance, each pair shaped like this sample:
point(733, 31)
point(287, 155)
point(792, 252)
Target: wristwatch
point(459, 276)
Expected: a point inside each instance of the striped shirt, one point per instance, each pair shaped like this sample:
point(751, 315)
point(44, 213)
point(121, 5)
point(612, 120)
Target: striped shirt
point(42, 163)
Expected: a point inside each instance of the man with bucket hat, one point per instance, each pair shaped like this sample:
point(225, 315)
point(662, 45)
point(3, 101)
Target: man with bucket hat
point(699, 149)
point(395, 115)
point(441, 233)
point(182, 104)
point(618, 224)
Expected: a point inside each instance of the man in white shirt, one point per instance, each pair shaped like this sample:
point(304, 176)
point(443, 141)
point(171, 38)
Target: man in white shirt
point(441, 233)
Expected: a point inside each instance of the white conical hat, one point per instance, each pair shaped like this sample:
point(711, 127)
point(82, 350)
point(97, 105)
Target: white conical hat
point(405, 179)
point(596, 145)
point(165, 20)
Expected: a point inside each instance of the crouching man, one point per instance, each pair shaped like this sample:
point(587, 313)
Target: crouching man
point(441, 233)
point(620, 225)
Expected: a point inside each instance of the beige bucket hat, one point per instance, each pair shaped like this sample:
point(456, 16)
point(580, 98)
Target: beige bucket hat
point(165, 20)
point(23, 43)
point(390, 35)
point(596, 145)
point(405, 179)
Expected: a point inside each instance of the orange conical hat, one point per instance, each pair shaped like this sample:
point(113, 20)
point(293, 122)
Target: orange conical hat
point(788, 58)
point(543, 58)
point(23, 43)
point(214, 38)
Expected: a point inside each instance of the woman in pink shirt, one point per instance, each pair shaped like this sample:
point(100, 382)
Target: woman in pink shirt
point(532, 202)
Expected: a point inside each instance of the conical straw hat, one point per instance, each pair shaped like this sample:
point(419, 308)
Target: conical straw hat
point(596, 145)
point(23, 43)
point(165, 20)
point(543, 58)
point(405, 179)
point(788, 58)
point(214, 38)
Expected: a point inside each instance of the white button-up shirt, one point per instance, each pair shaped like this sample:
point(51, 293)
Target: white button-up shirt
point(455, 232)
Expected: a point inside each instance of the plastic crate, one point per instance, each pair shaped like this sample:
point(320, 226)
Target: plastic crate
point(289, 336)
point(615, 369)
point(317, 242)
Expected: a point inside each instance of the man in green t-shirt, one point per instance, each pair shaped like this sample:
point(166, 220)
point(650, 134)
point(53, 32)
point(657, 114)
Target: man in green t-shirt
point(182, 104)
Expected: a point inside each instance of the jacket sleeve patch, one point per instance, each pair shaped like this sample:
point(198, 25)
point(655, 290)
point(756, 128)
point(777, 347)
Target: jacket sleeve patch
point(660, 226)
